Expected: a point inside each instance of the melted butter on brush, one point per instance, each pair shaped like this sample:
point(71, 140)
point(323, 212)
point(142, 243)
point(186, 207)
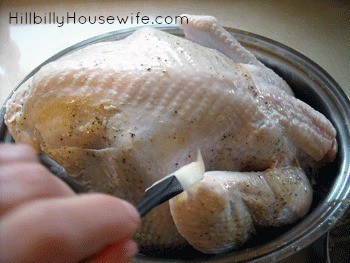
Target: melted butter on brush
point(189, 174)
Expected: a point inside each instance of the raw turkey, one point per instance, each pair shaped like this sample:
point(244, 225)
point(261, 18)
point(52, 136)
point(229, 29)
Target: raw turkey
point(121, 115)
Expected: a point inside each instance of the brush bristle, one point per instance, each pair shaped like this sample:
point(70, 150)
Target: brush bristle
point(189, 174)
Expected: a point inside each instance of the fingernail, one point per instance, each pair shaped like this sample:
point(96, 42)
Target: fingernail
point(132, 213)
point(113, 253)
point(130, 249)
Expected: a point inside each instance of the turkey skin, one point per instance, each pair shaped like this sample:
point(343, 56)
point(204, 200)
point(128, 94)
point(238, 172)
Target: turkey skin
point(121, 115)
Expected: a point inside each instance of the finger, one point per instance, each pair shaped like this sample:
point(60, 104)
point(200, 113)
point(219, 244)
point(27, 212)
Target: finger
point(10, 153)
point(24, 182)
point(121, 252)
point(65, 229)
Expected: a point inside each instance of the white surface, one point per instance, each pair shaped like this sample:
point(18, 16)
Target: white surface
point(318, 29)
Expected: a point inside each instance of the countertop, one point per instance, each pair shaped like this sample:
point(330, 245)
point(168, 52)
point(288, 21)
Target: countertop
point(318, 29)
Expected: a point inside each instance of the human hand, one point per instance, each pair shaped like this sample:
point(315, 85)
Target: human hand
point(43, 220)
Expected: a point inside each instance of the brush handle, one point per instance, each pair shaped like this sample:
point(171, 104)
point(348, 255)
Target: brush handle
point(154, 196)
point(158, 194)
point(60, 172)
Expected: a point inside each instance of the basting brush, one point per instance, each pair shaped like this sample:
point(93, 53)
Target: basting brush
point(172, 185)
point(156, 194)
